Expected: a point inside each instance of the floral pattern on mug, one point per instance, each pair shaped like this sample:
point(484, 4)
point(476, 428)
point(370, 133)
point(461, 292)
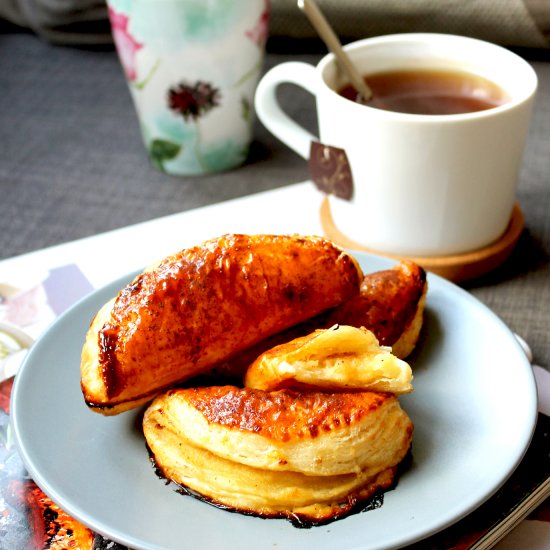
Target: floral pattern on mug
point(258, 34)
point(192, 101)
point(127, 46)
point(192, 69)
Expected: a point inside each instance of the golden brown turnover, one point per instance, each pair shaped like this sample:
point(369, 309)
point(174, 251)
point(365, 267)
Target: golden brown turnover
point(204, 304)
point(308, 455)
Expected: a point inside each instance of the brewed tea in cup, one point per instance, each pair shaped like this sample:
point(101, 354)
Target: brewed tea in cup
point(429, 92)
point(435, 156)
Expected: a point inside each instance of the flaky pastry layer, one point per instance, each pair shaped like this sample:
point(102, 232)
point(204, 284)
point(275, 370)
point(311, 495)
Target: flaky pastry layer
point(339, 358)
point(278, 452)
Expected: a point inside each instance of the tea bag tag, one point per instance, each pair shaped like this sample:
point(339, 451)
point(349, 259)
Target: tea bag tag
point(330, 170)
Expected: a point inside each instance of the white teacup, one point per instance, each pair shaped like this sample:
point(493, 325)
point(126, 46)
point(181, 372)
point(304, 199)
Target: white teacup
point(424, 185)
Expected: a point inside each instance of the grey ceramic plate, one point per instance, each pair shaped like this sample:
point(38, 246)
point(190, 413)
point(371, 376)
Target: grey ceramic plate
point(474, 409)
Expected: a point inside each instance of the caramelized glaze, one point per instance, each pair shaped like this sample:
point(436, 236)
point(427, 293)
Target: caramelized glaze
point(387, 302)
point(285, 414)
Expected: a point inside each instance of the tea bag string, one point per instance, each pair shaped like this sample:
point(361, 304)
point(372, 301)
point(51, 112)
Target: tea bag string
point(325, 31)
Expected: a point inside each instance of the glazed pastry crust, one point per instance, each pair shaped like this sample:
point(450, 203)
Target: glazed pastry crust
point(283, 453)
point(201, 306)
point(391, 304)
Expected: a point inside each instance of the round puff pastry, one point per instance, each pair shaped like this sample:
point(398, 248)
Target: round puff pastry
point(310, 455)
point(339, 358)
point(204, 304)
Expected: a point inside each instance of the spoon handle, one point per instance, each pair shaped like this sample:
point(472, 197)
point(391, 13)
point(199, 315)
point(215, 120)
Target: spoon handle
point(317, 19)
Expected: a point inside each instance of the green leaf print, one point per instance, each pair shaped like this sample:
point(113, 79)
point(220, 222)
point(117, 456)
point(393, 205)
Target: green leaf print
point(162, 150)
point(246, 109)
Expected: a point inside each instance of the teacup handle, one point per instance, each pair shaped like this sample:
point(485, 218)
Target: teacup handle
point(270, 112)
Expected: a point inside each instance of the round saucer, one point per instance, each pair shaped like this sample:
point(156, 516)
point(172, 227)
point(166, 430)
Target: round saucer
point(457, 267)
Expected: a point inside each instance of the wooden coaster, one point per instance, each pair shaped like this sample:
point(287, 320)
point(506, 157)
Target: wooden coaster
point(456, 268)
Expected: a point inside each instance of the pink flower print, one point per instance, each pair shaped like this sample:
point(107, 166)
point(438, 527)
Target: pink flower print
point(126, 45)
point(258, 34)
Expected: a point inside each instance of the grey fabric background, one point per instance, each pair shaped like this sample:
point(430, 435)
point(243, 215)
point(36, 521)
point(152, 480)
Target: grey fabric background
point(510, 22)
point(72, 164)
point(507, 22)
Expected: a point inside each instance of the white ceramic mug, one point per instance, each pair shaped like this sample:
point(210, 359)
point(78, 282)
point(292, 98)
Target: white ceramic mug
point(192, 67)
point(424, 185)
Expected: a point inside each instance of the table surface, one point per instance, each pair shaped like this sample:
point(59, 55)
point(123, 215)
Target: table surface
point(72, 165)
